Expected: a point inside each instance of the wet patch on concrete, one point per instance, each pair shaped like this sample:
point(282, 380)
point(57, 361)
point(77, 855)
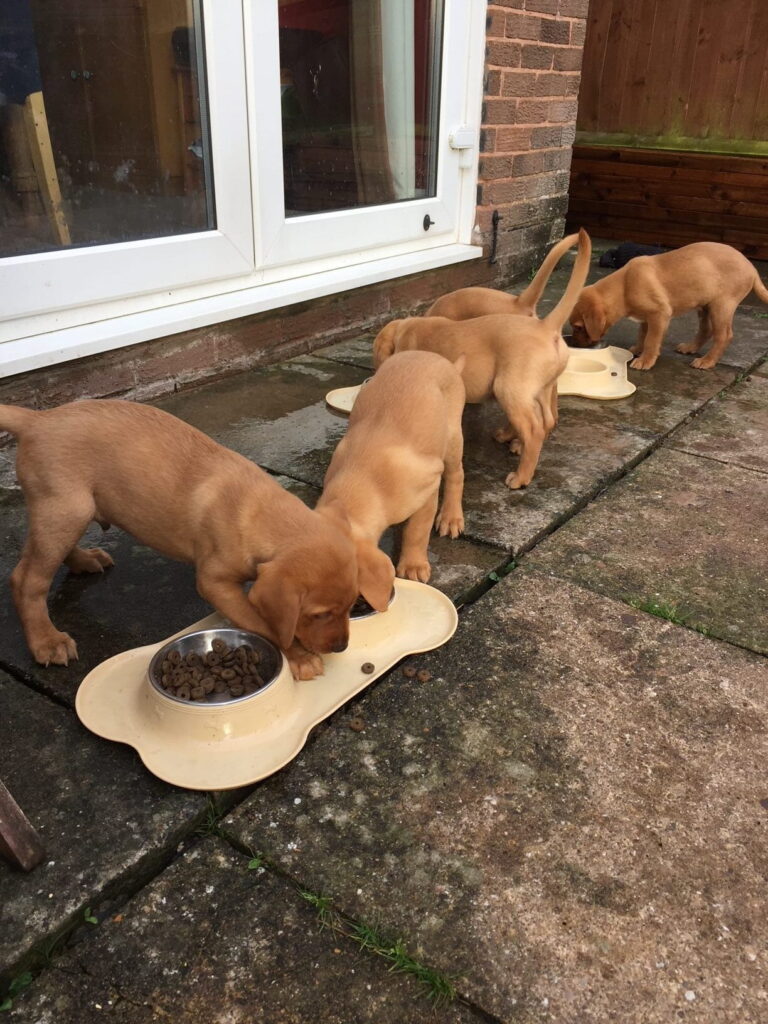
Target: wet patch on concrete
point(550, 815)
point(275, 415)
point(211, 940)
point(684, 533)
point(104, 820)
point(733, 428)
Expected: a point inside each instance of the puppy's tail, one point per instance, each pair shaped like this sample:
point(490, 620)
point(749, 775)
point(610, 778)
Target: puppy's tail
point(14, 419)
point(759, 289)
point(556, 319)
point(530, 296)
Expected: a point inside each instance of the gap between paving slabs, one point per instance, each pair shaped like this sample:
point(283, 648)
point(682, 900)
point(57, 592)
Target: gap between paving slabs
point(216, 932)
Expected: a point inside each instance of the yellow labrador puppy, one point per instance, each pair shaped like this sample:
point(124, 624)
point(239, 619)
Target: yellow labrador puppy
point(178, 491)
point(514, 359)
point(404, 437)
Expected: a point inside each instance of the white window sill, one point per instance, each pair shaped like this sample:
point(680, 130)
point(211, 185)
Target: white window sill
point(47, 349)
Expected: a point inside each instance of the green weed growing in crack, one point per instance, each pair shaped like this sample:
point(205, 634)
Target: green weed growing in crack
point(210, 823)
point(256, 862)
point(88, 917)
point(439, 988)
point(669, 612)
point(15, 988)
point(322, 904)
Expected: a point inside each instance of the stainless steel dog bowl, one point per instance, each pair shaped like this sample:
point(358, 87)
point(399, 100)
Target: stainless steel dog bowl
point(366, 610)
point(201, 643)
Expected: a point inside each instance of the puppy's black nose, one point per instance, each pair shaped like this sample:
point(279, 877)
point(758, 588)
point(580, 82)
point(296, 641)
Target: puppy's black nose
point(340, 646)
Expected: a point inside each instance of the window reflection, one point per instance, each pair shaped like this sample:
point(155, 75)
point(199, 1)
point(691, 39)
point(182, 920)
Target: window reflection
point(359, 84)
point(103, 126)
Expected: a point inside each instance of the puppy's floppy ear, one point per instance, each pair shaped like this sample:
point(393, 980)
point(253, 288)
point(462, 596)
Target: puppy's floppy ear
point(595, 319)
point(375, 575)
point(384, 345)
point(276, 598)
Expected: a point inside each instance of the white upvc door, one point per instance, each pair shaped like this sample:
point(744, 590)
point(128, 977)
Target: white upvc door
point(423, 223)
point(80, 276)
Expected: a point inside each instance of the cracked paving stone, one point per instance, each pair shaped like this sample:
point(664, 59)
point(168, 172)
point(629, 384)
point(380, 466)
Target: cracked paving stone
point(732, 429)
point(211, 941)
point(358, 352)
point(681, 531)
point(103, 818)
point(567, 815)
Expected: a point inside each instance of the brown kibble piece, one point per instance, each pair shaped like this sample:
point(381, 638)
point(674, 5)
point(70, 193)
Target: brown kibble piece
point(208, 683)
point(228, 673)
point(356, 724)
point(219, 646)
point(409, 672)
point(192, 658)
point(174, 657)
point(212, 658)
point(236, 690)
point(219, 686)
point(197, 693)
point(423, 675)
point(367, 667)
point(183, 693)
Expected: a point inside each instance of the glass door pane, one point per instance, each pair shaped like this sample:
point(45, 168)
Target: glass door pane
point(359, 83)
point(104, 133)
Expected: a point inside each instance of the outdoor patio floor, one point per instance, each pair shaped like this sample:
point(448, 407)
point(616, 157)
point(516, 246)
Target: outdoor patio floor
point(567, 822)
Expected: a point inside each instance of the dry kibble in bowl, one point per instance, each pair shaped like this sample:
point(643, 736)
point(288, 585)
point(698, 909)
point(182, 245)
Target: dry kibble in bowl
point(225, 671)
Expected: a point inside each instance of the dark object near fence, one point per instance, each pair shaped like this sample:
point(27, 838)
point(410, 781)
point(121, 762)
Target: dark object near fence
point(622, 254)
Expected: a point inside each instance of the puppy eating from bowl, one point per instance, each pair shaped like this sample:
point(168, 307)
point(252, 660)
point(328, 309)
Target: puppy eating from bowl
point(179, 492)
point(514, 359)
point(707, 276)
point(404, 437)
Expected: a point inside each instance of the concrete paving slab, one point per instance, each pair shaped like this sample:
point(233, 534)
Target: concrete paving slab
point(567, 815)
point(209, 941)
point(357, 352)
point(104, 820)
point(733, 429)
point(683, 532)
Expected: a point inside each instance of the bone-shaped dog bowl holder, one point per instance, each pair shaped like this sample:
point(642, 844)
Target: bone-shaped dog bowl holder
point(212, 746)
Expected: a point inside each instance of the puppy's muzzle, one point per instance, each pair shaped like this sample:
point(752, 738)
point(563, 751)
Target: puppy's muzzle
point(339, 646)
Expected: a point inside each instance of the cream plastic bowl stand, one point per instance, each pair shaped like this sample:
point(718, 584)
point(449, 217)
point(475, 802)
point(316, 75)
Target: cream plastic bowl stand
point(222, 746)
point(591, 373)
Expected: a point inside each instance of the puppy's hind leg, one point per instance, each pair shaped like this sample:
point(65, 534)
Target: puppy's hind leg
point(54, 527)
point(413, 563)
point(531, 432)
point(688, 348)
point(721, 319)
point(450, 518)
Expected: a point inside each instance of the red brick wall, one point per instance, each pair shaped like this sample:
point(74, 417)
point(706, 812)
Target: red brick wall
point(533, 57)
point(533, 63)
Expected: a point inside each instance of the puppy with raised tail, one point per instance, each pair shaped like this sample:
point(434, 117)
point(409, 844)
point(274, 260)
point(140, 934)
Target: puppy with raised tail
point(404, 437)
point(176, 490)
point(466, 303)
point(707, 276)
point(514, 359)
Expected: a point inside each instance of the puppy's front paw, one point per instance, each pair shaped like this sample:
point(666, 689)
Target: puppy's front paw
point(89, 560)
point(687, 348)
point(304, 665)
point(514, 481)
point(449, 524)
point(516, 446)
point(703, 363)
point(503, 434)
point(642, 363)
point(55, 648)
point(414, 569)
